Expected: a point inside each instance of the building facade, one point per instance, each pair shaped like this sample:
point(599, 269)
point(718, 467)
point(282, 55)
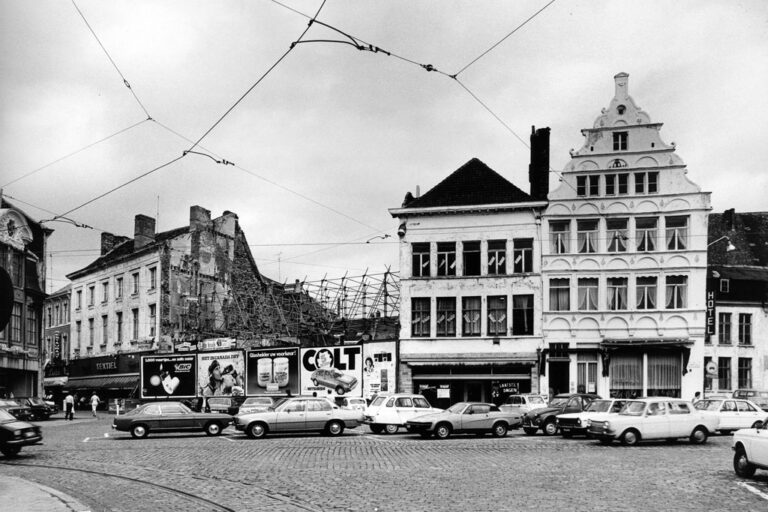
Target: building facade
point(56, 329)
point(22, 284)
point(624, 263)
point(471, 284)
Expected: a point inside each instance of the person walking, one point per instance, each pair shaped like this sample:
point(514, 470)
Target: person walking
point(94, 403)
point(69, 407)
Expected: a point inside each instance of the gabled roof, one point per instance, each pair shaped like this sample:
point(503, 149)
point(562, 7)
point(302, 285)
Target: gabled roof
point(474, 183)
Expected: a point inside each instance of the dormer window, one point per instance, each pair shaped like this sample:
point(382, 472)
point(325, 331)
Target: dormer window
point(617, 163)
point(619, 141)
point(621, 109)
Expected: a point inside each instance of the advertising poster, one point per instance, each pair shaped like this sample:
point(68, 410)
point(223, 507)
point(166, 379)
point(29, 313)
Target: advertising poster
point(168, 376)
point(379, 368)
point(332, 371)
point(221, 373)
point(272, 371)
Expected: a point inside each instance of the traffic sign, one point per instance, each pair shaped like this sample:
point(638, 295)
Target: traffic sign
point(711, 369)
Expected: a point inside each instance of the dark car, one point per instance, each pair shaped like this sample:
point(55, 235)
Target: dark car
point(15, 433)
point(546, 418)
point(169, 417)
point(465, 417)
point(21, 412)
point(225, 404)
point(40, 410)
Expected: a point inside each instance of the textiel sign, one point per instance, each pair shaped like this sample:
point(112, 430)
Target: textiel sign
point(332, 371)
point(272, 371)
point(168, 376)
point(379, 368)
point(221, 373)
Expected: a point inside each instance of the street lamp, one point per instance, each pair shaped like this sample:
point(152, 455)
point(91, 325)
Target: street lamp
point(730, 246)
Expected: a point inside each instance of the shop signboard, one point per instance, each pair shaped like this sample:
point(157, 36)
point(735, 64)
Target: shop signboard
point(379, 368)
point(221, 373)
point(168, 376)
point(332, 371)
point(272, 371)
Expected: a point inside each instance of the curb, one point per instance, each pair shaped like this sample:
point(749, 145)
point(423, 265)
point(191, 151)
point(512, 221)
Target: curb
point(30, 496)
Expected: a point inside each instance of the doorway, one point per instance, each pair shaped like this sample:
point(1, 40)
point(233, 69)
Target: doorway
point(559, 377)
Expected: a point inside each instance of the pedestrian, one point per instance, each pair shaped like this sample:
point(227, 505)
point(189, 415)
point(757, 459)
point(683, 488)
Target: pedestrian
point(94, 403)
point(69, 407)
point(696, 396)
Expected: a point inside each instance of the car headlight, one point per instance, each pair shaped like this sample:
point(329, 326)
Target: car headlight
point(578, 421)
point(16, 433)
point(607, 425)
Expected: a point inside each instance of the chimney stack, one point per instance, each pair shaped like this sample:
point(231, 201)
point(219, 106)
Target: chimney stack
point(538, 169)
point(143, 231)
point(199, 218)
point(107, 242)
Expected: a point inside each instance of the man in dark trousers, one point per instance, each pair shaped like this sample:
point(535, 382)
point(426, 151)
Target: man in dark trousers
point(69, 407)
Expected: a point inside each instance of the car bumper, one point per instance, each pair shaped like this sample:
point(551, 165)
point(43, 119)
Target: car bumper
point(418, 427)
point(24, 441)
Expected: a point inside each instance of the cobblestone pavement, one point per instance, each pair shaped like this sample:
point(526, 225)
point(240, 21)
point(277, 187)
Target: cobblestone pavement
point(360, 471)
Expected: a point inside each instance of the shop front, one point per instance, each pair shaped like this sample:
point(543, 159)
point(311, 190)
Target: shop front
point(111, 377)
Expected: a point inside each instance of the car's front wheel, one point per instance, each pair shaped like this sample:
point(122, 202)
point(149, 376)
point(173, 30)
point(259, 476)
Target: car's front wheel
point(213, 429)
point(391, 429)
point(499, 429)
point(334, 428)
point(741, 464)
point(442, 431)
point(256, 430)
point(550, 428)
point(10, 451)
point(139, 431)
point(630, 438)
point(339, 390)
point(699, 435)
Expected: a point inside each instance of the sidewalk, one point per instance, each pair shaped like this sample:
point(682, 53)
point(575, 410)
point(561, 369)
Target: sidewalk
point(19, 494)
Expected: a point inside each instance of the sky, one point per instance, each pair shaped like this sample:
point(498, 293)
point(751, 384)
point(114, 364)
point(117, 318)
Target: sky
point(332, 137)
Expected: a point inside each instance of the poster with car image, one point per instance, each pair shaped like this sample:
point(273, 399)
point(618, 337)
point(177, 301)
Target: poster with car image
point(221, 373)
point(379, 368)
point(332, 371)
point(272, 371)
point(168, 376)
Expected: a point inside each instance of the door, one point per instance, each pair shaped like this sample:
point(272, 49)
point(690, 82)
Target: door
point(292, 416)
point(405, 409)
point(476, 418)
point(759, 445)
point(559, 377)
point(748, 414)
point(655, 424)
point(176, 418)
point(729, 415)
point(318, 414)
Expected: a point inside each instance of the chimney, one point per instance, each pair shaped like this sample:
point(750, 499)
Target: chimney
point(143, 231)
point(538, 169)
point(107, 242)
point(199, 218)
point(621, 82)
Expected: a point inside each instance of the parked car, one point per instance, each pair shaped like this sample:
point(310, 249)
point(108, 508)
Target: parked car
point(256, 403)
point(387, 413)
point(333, 379)
point(14, 434)
point(169, 417)
point(750, 450)
point(733, 414)
point(465, 417)
point(523, 403)
point(576, 422)
point(545, 418)
point(757, 396)
point(21, 412)
point(224, 404)
point(298, 414)
point(51, 404)
point(654, 418)
point(353, 403)
point(38, 407)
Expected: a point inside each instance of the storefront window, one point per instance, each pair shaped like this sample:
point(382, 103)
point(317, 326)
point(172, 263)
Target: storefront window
point(664, 375)
point(587, 373)
point(626, 375)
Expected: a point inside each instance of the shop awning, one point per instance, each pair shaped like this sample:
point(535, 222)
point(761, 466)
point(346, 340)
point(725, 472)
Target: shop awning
point(124, 381)
point(642, 343)
point(468, 360)
point(49, 382)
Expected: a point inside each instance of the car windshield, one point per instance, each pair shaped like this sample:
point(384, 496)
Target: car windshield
point(558, 402)
point(708, 405)
point(457, 407)
point(633, 409)
point(5, 416)
point(536, 400)
point(37, 401)
point(599, 406)
point(258, 401)
point(378, 401)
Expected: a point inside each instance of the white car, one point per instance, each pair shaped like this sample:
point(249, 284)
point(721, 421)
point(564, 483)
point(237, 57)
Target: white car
point(733, 414)
point(576, 422)
point(523, 403)
point(358, 404)
point(750, 447)
point(387, 413)
point(654, 418)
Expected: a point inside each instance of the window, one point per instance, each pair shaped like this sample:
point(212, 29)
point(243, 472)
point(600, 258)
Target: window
point(31, 326)
point(119, 321)
point(677, 233)
point(619, 141)
point(745, 329)
point(497, 315)
point(135, 321)
point(677, 287)
point(91, 295)
point(446, 258)
point(104, 329)
point(91, 333)
point(65, 309)
point(15, 322)
point(152, 278)
point(645, 231)
point(560, 237)
point(135, 279)
point(664, 375)
point(626, 375)
point(119, 288)
point(79, 333)
point(17, 269)
point(421, 403)
point(446, 316)
point(403, 402)
point(610, 184)
point(105, 291)
point(522, 314)
point(623, 184)
point(523, 255)
point(295, 406)
point(79, 299)
point(745, 372)
point(639, 182)
point(319, 405)
point(588, 294)
point(587, 236)
point(586, 371)
point(617, 293)
point(646, 182)
point(724, 328)
point(420, 309)
point(617, 235)
point(707, 381)
point(497, 257)
point(725, 286)
point(152, 319)
point(560, 294)
point(50, 317)
point(724, 373)
point(471, 257)
point(470, 316)
point(646, 292)
point(588, 186)
point(420, 260)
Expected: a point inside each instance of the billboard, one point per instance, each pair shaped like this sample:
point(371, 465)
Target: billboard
point(332, 371)
point(379, 368)
point(272, 371)
point(168, 376)
point(221, 373)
